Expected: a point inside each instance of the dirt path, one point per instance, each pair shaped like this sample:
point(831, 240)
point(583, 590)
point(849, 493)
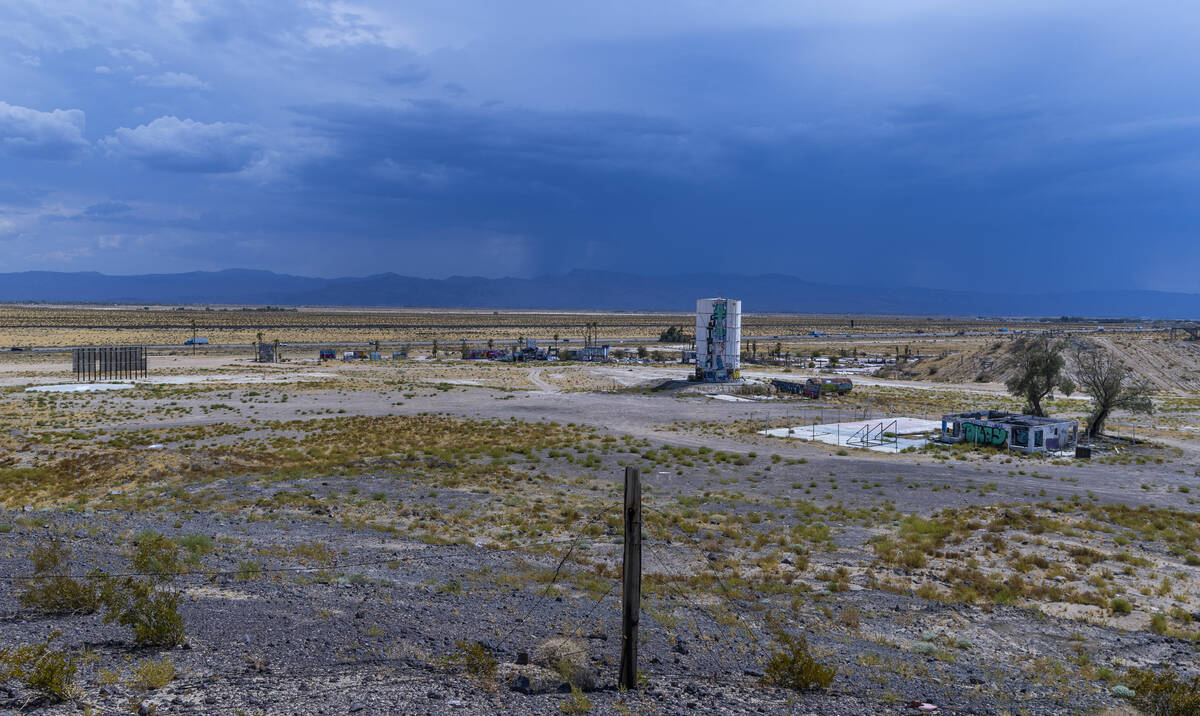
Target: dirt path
point(535, 377)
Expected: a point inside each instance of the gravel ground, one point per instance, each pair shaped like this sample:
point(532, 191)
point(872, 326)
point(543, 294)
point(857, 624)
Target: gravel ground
point(377, 628)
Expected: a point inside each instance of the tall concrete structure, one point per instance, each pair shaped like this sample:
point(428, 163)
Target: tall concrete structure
point(718, 340)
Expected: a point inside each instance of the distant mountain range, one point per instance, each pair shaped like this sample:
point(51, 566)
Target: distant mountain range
point(580, 290)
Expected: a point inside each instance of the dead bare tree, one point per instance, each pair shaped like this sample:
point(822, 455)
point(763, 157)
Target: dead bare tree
point(1110, 384)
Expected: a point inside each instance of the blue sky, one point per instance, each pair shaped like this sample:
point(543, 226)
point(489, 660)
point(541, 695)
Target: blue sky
point(1037, 145)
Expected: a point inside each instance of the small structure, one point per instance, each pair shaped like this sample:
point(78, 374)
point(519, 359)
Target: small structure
point(687, 357)
point(796, 388)
point(718, 340)
point(109, 362)
point(328, 354)
point(484, 354)
point(594, 354)
point(1012, 431)
point(815, 387)
point(267, 353)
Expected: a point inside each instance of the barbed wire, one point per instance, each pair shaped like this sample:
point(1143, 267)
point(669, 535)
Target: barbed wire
point(554, 578)
point(654, 547)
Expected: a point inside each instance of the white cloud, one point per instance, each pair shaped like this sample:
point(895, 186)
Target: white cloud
point(172, 80)
point(103, 70)
point(134, 54)
point(28, 60)
point(44, 135)
point(185, 145)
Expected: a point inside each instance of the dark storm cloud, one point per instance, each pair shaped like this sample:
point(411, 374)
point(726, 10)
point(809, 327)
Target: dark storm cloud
point(937, 143)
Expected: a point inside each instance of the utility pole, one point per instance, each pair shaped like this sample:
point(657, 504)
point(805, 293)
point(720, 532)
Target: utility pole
point(631, 579)
point(193, 336)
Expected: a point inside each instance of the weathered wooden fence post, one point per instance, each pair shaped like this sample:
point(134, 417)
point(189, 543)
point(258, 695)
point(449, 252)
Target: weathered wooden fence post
point(631, 579)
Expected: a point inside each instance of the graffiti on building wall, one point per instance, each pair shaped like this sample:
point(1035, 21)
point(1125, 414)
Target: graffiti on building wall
point(985, 434)
point(715, 338)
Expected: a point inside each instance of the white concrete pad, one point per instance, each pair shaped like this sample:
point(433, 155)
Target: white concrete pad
point(730, 398)
point(851, 434)
point(77, 387)
point(177, 380)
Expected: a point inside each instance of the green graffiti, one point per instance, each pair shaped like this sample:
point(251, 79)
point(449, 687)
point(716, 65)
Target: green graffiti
point(985, 434)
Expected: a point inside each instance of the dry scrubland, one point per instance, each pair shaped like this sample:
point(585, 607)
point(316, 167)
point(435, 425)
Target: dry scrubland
point(436, 536)
point(67, 326)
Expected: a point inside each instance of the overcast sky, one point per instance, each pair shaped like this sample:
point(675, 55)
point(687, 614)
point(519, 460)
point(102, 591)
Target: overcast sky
point(911, 142)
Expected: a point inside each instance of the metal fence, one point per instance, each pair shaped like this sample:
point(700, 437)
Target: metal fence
point(109, 362)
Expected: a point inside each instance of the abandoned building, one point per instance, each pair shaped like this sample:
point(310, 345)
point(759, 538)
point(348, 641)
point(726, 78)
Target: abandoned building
point(1011, 431)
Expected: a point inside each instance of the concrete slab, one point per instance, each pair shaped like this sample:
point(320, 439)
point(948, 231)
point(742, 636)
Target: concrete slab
point(850, 434)
point(78, 387)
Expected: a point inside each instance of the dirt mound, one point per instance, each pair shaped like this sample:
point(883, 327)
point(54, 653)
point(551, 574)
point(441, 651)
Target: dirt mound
point(1170, 366)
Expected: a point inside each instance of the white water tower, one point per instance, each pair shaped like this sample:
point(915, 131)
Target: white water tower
point(718, 339)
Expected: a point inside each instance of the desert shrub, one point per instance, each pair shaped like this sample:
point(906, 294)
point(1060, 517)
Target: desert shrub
point(152, 612)
point(569, 657)
point(576, 703)
point(1120, 605)
point(51, 590)
point(791, 666)
point(196, 545)
point(41, 668)
point(1158, 623)
point(1164, 693)
point(1085, 556)
point(156, 555)
point(313, 552)
point(149, 674)
point(248, 571)
point(476, 659)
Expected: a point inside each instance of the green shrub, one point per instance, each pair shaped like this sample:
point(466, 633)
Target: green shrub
point(150, 611)
point(197, 545)
point(46, 671)
point(149, 675)
point(155, 555)
point(477, 660)
point(793, 667)
point(576, 703)
point(51, 590)
point(1120, 605)
point(1164, 693)
point(248, 571)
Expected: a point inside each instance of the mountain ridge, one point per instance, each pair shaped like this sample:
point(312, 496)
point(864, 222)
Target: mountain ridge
point(579, 290)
